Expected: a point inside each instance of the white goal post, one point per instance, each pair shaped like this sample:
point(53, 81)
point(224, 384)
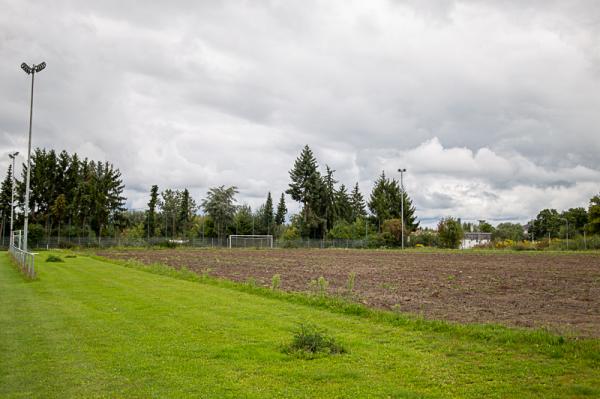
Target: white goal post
point(250, 240)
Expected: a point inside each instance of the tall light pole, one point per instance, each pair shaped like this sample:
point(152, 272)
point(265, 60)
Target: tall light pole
point(29, 71)
point(12, 194)
point(402, 202)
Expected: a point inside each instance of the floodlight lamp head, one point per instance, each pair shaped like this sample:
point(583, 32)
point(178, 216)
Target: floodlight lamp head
point(402, 170)
point(13, 155)
point(26, 68)
point(40, 67)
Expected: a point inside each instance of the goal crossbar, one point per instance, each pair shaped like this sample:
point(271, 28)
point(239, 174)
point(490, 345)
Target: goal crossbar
point(250, 240)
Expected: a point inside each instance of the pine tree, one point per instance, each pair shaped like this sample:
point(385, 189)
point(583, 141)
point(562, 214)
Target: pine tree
point(380, 203)
point(306, 188)
point(410, 218)
point(184, 212)
point(328, 199)
point(150, 222)
point(343, 206)
point(386, 203)
point(357, 203)
point(281, 211)
point(268, 218)
point(5, 201)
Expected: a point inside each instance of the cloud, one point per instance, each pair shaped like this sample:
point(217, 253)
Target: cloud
point(491, 105)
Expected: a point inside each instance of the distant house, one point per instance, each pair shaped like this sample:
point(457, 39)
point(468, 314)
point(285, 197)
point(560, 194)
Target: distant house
point(472, 239)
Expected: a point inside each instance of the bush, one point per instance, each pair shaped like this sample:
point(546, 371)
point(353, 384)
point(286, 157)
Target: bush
point(291, 234)
point(450, 233)
point(309, 341)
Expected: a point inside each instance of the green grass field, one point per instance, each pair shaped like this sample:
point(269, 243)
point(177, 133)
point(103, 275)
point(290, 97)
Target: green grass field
point(89, 328)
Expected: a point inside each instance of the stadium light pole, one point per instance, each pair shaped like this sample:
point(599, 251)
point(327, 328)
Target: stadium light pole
point(402, 202)
point(29, 71)
point(12, 194)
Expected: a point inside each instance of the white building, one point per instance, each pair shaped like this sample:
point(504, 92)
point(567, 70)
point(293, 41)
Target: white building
point(472, 239)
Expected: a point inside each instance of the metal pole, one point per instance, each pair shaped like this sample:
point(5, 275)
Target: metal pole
point(26, 227)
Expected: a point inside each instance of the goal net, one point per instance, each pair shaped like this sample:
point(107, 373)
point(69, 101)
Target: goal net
point(250, 241)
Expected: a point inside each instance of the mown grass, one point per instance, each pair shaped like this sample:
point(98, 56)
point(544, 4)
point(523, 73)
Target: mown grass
point(89, 328)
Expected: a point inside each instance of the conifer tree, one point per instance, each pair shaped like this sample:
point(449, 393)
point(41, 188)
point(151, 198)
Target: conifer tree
point(267, 216)
point(150, 222)
point(281, 211)
point(328, 199)
point(357, 203)
point(5, 200)
point(306, 187)
point(343, 206)
point(379, 203)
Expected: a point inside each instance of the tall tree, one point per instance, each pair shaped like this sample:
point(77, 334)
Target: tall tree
point(187, 209)
point(219, 204)
point(380, 202)
point(5, 200)
point(306, 188)
point(594, 215)
point(244, 222)
point(357, 203)
point(267, 216)
point(546, 224)
point(59, 209)
point(150, 222)
point(281, 211)
point(328, 199)
point(343, 205)
point(171, 205)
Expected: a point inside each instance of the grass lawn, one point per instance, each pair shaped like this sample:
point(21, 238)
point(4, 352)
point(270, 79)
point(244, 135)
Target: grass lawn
point(89, 328)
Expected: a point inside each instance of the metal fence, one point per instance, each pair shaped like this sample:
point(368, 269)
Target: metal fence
point(25, 260)
point(207, 242)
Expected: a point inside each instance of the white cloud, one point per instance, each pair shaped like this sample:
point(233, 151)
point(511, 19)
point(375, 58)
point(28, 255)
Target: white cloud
point(492, 106)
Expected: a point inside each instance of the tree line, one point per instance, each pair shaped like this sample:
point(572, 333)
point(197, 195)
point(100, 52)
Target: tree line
point(68, 195)
point(79, 197)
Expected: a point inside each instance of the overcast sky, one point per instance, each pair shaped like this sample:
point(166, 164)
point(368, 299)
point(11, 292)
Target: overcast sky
point(492, 106)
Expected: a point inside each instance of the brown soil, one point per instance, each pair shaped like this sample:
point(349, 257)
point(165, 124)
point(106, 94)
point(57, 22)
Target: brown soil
point(558, 292)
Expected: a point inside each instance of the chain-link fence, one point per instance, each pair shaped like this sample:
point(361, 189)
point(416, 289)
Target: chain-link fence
point(206, 242)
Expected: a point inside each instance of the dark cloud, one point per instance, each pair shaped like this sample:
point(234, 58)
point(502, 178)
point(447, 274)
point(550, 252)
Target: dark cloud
point(491, 105)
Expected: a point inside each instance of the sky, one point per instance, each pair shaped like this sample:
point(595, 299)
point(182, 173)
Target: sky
point(493, 107)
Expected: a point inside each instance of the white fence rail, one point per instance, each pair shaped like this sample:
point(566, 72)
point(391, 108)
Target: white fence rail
point(25, 260)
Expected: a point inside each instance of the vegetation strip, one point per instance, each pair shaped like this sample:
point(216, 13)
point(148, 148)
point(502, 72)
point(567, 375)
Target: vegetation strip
point(87, 328)
point(544, 341)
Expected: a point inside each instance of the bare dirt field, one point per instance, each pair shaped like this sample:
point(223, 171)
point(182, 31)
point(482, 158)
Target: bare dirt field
point(560, 292)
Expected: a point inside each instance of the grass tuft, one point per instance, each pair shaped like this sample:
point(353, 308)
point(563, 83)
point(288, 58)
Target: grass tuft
point(308, 342)
point(54, 258)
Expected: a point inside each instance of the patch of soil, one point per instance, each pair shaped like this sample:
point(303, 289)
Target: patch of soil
point(554, 291)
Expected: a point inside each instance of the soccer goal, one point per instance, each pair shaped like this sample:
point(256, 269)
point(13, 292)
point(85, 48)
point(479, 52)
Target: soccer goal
point(250, 241)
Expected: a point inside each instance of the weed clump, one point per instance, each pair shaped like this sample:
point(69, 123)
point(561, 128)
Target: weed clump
point(310, 342)
point(275, 282)
point(54, 258)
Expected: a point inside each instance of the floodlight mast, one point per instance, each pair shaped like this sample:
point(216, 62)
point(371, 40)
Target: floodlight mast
point(29, 71)
point(12, 194)
point(402, 202)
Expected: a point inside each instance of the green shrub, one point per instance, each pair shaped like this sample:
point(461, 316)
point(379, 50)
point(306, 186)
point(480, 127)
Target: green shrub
point(54, 258)
point(309, 341)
